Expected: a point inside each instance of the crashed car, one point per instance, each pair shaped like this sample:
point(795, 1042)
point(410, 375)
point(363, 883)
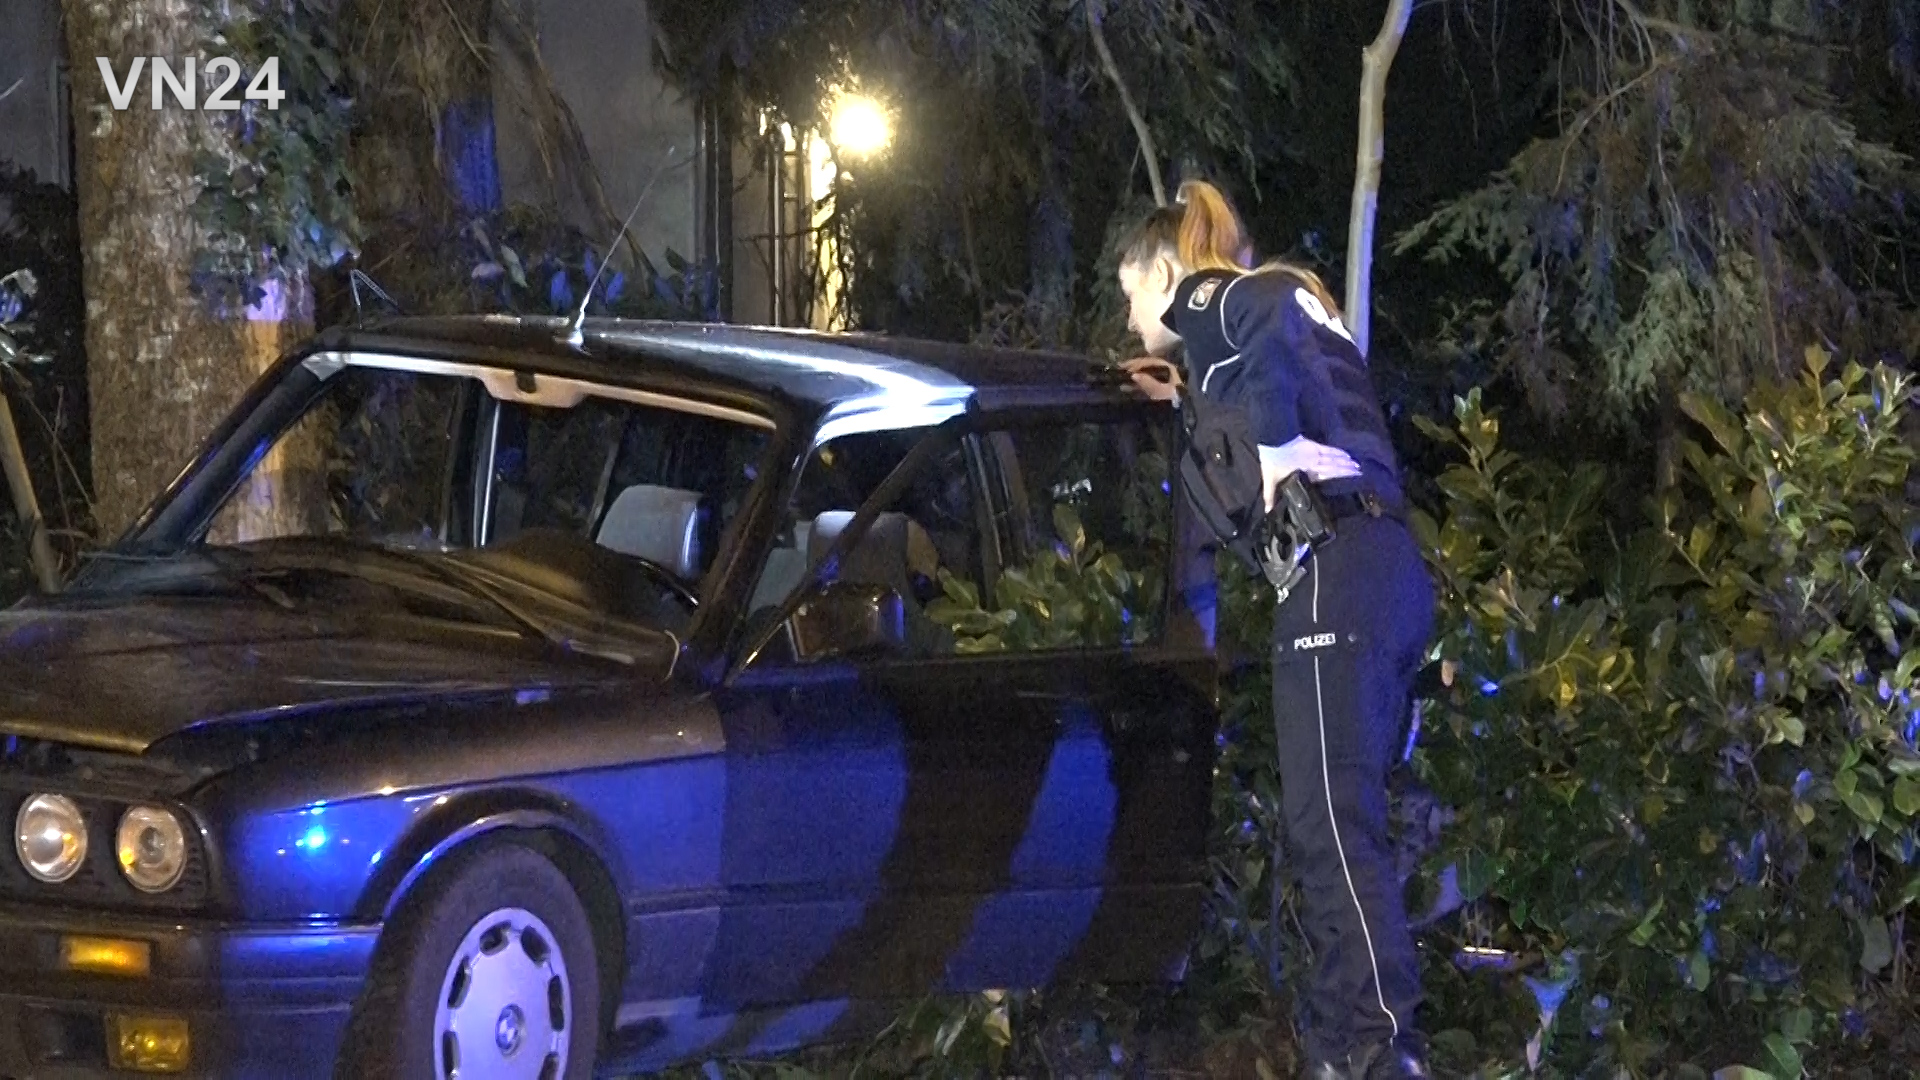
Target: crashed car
point(485, 701)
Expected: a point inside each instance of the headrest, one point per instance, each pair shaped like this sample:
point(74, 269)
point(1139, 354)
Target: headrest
point(659, 524)
point(893, 547)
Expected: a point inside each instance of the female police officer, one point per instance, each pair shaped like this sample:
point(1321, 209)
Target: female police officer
point(1348, 636)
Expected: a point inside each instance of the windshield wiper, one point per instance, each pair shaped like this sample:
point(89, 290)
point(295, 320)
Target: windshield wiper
point(465, 581)
point(224, 565)
point(468, 581)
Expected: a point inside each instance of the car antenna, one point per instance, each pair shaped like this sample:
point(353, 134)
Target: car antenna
point(574, 336)
point(358, 278)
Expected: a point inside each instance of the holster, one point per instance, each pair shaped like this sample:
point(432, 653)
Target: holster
point(1286, 537)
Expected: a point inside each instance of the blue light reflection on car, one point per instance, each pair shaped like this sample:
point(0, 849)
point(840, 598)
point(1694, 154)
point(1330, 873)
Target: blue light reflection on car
point(311, 861)
point(851, 776)
point(1064, 849)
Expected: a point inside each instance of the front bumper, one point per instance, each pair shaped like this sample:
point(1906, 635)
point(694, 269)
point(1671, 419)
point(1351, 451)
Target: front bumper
point(267, 1002)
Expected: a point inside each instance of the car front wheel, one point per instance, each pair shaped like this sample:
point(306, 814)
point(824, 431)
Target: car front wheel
point(488, 974)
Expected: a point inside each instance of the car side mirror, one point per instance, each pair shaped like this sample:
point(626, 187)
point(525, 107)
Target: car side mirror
point(849, 619)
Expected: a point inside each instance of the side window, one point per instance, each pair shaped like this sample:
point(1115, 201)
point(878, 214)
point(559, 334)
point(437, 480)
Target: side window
point(548, 465)
point(649, 482)
point(1082, 517)
point(928, 536)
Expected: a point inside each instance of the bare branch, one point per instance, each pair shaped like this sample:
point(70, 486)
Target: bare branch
point(8, 92)
point(13, 467)
point(1588, 114)
point(1134, 114)
point(563, 114)
point(1376, 61)
point(1647, 22)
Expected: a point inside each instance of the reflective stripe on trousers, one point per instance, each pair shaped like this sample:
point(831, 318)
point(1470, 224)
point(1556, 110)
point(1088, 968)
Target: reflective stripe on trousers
point(1347, 645)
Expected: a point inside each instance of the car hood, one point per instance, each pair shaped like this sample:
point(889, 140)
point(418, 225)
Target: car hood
point(127, 675)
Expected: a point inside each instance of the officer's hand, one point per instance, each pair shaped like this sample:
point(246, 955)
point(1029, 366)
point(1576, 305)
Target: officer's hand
point(1319, 461)
point(1155, 377)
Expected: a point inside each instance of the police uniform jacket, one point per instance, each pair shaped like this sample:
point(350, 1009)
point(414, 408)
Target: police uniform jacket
point(1264, 343)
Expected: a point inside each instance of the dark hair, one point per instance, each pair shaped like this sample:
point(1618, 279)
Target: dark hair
point(1202, 232)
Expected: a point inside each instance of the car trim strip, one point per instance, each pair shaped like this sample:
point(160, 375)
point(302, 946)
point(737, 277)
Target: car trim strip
point(551, 390)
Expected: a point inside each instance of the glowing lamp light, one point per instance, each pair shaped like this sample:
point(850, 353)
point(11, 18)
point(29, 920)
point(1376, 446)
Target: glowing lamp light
point(148, 1044)
point(859, 125)
point(106, 956)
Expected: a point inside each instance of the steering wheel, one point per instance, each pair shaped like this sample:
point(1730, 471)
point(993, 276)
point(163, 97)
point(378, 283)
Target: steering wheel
point(680, 589)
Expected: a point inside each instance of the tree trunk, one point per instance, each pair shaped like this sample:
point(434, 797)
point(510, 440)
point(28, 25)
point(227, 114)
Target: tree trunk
point(1050, 251)
point(162, 367)
point(285, 495)
point(1376, 62)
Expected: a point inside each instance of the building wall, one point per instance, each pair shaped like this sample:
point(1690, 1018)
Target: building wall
point(32, 116)
point(600, 56)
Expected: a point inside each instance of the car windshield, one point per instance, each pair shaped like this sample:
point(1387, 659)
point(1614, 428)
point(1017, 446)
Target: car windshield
point(562, 497)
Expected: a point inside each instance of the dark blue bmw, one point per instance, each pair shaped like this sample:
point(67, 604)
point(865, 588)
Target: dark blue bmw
point(478, 704)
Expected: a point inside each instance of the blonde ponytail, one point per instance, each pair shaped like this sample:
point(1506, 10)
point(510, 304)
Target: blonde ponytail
point(1210, 236)
point(1203, 232)
point(1200, 230)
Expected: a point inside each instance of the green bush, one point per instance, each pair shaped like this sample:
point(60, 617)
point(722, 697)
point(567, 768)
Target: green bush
point(1681, 760)
point(1076, 594)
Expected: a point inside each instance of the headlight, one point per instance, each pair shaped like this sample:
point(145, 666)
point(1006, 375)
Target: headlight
point(152, 848)
point(50, 836)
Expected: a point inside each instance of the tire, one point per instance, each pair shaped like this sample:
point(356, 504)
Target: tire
point(491, 960)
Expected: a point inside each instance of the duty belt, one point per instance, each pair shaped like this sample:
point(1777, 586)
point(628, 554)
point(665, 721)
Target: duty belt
point(1355, 503)
point(1285, 541)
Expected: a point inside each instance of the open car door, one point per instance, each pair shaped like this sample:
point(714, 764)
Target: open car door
point(978, 751)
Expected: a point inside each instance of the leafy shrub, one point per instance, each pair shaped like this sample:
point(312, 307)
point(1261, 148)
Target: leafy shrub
point(1078, 594)
point(523, 260)
point(276, 193)
point(1682, 761)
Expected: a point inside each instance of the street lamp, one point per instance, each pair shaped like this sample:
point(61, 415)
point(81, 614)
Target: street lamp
point(858, 125)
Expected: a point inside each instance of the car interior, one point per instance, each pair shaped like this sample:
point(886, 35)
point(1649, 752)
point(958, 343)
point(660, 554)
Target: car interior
point(568, 487)
point(658, 524)
point(929, 527)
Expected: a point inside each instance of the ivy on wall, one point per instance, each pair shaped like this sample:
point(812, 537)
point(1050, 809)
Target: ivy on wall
point(276, 200)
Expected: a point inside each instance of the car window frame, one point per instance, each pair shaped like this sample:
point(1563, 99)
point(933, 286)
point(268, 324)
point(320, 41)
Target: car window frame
point(939, 438)
point(502, 385)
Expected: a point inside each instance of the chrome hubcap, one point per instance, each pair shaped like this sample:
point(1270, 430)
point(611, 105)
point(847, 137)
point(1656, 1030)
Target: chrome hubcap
point(504, 1005)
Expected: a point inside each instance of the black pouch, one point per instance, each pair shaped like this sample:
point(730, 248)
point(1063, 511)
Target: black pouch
point(1220, 471)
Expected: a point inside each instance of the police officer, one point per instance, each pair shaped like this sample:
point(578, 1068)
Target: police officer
point(1349, 636)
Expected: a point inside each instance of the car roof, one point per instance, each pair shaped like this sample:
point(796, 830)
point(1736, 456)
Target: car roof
point(827, 371)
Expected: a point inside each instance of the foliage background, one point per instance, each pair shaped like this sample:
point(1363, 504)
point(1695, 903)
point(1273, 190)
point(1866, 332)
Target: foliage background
point(1677, 548)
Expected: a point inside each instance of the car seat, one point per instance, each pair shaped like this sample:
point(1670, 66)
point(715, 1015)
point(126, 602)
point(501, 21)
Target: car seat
point(659, 524)
point(894, 550)
point(786, 564)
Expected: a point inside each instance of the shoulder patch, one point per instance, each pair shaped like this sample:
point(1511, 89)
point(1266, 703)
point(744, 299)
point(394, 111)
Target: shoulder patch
point(1203, 294)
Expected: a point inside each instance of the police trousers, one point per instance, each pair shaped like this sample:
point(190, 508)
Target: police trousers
point(1348, 642)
